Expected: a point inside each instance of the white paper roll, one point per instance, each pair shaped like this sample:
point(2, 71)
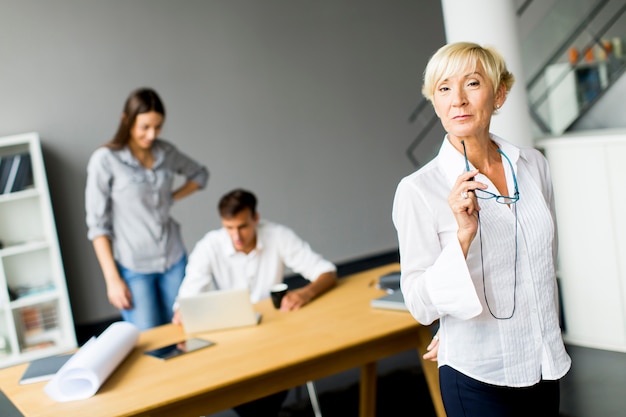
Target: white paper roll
point(84, 373)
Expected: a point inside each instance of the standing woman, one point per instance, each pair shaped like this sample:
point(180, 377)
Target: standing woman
point(477, 236)
point(128, 197)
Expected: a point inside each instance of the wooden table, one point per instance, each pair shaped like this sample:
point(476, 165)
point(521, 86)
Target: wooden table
point(336, 332)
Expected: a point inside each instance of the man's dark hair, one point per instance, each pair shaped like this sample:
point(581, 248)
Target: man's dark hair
point(236, 201)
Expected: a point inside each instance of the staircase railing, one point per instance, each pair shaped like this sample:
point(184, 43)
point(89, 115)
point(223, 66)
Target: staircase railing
point(561, 89)
point(588, 61)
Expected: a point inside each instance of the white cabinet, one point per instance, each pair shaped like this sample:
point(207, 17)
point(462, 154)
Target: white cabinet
point(35, 314)
point(588, 171)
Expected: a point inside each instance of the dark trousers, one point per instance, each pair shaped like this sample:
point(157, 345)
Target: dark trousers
point(263, 407)
point(466, 397)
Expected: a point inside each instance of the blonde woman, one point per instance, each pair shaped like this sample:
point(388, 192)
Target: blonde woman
point(477, 236)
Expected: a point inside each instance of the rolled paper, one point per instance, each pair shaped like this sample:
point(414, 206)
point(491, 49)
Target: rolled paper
point(84, 373)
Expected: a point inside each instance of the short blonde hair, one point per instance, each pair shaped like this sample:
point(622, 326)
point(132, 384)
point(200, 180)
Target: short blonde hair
point(453, 58)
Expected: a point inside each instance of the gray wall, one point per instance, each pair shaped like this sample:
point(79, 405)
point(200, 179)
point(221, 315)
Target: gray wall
point(304, 102)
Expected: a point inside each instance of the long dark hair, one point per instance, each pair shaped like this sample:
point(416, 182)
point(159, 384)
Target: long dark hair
point(142, 100)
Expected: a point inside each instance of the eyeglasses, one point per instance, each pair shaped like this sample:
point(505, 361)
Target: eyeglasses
point(486, 195)
point(502, 200)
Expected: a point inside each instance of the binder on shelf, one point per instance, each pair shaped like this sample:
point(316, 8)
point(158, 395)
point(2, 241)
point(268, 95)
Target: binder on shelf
point(17, 174)
point(10, 179)
point(24, 174)
point(5, 167)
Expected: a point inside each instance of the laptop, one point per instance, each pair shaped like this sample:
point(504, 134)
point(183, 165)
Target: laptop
point(217, 310)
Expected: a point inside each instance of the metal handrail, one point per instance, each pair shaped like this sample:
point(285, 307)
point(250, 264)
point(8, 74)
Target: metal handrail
point(420, 137)
point(567, 42)
point(616, 71)
point(431, 121)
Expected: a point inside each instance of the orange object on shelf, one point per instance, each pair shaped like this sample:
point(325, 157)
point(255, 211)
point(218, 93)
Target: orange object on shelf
point(589, 54)
point(573, 55)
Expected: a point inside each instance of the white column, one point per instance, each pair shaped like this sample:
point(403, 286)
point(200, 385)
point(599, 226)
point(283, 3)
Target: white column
point(494, 23)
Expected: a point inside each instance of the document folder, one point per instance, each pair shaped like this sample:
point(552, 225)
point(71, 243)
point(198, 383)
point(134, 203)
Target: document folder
point(393, 301)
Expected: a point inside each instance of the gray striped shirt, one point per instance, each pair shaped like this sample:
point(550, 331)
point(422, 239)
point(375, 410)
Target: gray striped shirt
point(131, 204)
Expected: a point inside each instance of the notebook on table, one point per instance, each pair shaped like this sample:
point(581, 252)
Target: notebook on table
point(43, 369)
point(217, 310)
point(389, 282)
point(393, 301)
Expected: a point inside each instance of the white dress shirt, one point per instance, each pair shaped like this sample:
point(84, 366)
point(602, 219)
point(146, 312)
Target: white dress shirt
point(519, 247)
point(215, 264)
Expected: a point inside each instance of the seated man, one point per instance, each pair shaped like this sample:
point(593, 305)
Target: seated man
point(251, 253)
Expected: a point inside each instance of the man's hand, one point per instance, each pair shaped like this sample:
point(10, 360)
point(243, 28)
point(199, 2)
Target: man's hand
point(176, 318)
point(295, 299)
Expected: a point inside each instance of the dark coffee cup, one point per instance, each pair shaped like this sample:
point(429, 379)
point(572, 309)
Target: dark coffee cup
point(277, 292)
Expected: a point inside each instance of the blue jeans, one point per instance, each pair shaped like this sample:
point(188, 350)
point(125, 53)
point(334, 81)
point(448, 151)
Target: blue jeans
point(153, 294)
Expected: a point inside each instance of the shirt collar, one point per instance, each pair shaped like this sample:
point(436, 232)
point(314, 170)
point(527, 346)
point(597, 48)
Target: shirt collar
point(452, 162)
point(158, 152)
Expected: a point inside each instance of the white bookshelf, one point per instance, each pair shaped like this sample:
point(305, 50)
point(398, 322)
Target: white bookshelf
point(35, 313)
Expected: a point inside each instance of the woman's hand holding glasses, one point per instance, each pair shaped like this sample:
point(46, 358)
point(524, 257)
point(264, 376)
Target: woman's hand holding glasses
point(465, 207)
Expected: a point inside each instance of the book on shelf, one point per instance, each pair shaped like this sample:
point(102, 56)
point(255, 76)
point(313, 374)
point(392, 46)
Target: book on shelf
point(5, 168)
point(24, 174)
point(14, 164)
point(15, 173)
point(20, 291)
point(38, 319)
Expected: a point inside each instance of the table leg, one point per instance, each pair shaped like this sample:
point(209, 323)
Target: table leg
point(367, 390)
point(431, 371)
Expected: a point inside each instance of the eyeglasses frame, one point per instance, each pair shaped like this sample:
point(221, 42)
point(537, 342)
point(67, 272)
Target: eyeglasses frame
point(502, 200)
